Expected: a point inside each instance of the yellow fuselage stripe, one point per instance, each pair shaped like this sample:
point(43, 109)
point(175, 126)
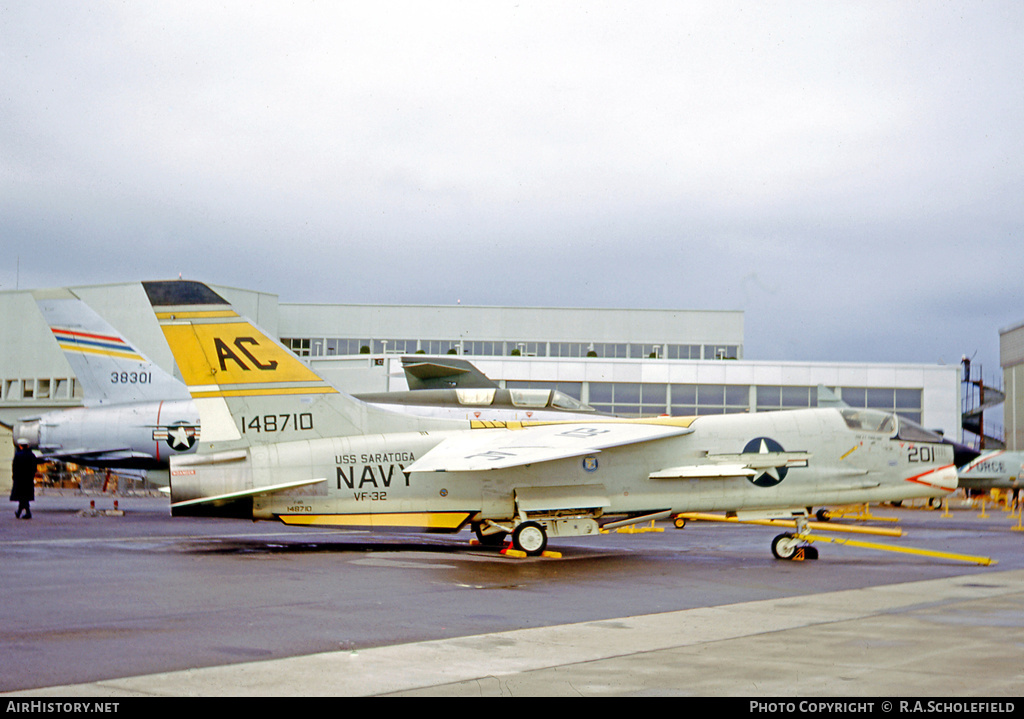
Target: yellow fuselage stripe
point(661, 421)
point(268, 392)
point(206, 314)
point(422, 520)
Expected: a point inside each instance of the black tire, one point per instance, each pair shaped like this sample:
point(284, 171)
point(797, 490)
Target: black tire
point(530, 537)
point(784, 546)
point(680, 522)
point(822, 515)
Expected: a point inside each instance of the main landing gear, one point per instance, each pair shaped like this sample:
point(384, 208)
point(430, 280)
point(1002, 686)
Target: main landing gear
point(530, 538)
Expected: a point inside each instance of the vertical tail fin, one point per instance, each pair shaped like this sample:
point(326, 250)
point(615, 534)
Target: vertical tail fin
point(106, 365)
point(249, 388)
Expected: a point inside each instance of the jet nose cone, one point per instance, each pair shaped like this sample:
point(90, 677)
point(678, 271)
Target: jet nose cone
point(27, 433)
point(944, 478)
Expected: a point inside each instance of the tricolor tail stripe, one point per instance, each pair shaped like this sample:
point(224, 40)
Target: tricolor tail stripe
point(85, 342)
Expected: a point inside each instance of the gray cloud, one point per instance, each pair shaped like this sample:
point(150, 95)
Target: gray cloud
point(848, 174)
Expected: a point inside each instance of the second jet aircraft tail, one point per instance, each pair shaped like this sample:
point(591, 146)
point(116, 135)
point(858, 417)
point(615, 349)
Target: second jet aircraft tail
point(109, 369)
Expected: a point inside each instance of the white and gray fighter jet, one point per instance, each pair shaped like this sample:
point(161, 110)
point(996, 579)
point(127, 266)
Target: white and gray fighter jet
point(134, 414)
point(999, 469)
point(280, 443)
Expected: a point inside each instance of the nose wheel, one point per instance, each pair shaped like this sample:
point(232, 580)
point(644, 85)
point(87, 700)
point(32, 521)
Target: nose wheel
point(792, 548)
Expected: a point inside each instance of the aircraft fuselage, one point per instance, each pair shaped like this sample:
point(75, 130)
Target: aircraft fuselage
point(138, 435)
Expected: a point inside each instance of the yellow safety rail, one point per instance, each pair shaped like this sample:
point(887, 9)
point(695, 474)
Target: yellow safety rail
point(903, 550)
point(826, 526)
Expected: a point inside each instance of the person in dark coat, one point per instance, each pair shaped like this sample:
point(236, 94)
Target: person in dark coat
point(23, 487)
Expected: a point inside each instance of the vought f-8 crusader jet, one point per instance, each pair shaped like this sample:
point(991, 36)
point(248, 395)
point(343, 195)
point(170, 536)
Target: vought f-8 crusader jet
point(280, 443)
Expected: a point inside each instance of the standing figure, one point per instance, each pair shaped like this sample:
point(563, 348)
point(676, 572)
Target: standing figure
point(23, 487)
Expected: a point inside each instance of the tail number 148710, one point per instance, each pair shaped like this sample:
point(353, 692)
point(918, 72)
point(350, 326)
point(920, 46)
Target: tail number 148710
point(277, 422)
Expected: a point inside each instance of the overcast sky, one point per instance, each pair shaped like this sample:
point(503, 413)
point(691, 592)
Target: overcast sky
point(849, 174)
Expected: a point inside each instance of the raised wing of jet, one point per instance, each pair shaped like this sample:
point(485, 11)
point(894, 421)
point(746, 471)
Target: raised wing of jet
point(502, 449)
point(447, 373)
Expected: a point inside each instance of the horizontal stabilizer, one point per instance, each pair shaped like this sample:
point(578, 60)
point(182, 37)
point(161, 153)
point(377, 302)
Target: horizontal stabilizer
point(255, 492)
point(503, 448)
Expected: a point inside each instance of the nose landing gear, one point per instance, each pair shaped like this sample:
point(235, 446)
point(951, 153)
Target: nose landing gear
point(793, 548)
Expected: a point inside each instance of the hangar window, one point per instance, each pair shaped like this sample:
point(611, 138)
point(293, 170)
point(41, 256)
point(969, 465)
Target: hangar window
point(648, 351)
point(298, 345)
point(775, 397)
point(439, 347)
point(690, 399)
point(684, 352)
point(607, 350)
point(629, 398)
point(721, 351)
point(905, 402)
point(394, 346)
point(62, 389)
point(568, 349)
point(485, 348)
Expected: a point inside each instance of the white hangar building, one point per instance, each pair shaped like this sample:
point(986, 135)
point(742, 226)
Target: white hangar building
point(626, 361)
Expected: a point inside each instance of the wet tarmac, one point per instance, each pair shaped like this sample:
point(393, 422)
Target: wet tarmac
point(111, 604)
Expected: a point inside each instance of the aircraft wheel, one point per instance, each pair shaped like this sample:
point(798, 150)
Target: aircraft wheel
point(822, 515)
point(935, 503)
point(680, 522)
point(530, 537)
point(784, 546)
